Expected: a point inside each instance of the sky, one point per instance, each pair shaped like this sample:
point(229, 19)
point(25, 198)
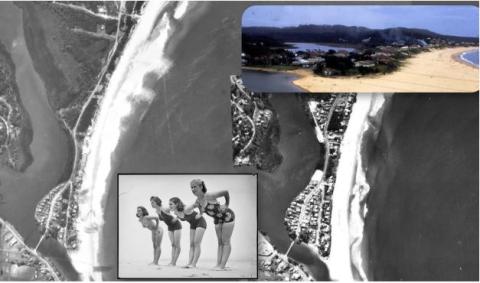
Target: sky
point(135, 244)
point(460, 20)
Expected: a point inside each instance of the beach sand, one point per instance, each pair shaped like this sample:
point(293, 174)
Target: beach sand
point(237, 269)
point(434, 71)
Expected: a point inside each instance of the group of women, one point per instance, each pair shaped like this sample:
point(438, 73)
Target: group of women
point(177, 211)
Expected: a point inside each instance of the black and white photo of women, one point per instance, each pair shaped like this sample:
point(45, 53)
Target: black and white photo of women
point(210, 220)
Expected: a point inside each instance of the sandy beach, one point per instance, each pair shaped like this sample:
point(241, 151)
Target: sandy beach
point(236, 269)
point(435, 71)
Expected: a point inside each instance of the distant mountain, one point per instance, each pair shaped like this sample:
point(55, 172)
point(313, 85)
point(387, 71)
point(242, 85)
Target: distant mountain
point(351, 35)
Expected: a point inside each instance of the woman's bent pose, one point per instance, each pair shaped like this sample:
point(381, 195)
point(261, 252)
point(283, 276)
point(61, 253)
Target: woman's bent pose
point(197, 228)
point(173, 224)
point(223, 218)
point(152, 224)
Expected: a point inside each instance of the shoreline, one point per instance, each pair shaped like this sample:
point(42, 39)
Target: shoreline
point(459, 57)
point(434, 71)
point(438, 70)
point(135, 95)
point(349, 195)
point(270, 70)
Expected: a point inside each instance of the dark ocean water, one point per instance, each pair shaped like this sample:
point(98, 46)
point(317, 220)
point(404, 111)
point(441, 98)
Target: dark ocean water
point(422, 222)
point(188, 127)
point(259, 81)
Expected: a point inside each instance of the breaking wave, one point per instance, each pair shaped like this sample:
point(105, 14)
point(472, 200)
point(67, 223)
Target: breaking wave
point(128, 95)
point(347, 259)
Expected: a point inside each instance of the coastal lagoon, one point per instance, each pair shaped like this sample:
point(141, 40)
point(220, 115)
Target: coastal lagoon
point(51, 146)
point(304, 46)
point(302, 155)
point(260, 81)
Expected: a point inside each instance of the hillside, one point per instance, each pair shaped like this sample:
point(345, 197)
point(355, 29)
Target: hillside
point(349, 35)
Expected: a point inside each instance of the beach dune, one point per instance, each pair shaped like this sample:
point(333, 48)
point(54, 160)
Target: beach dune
point(434, 71)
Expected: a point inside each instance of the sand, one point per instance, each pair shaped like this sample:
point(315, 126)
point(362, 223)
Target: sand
point(237, 269)
point(434, 71)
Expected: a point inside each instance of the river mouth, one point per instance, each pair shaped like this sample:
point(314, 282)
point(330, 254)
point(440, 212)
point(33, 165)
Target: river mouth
point(302, 155)
point(51, 146)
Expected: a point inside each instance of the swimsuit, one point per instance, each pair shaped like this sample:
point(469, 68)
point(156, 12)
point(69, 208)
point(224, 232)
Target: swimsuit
point(148, 226)
point(168, 219)
point(194, 222)
point(213, 210)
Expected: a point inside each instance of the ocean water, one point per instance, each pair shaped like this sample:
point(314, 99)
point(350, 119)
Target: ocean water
point(304, 46)
point(188, 125)
point(422, 221)
point(471, 57)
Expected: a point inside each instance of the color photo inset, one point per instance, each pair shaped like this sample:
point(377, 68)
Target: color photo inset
point(342, 48)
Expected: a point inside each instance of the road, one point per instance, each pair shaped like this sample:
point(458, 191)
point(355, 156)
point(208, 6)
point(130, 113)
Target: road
point(317, 189)
point(73, 132)
point(242, 89)
point(34, 252)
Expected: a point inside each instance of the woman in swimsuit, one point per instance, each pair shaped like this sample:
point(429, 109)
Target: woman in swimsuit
point(152, 224)
point(173, 224)
point(197, 228)
point(223, 218)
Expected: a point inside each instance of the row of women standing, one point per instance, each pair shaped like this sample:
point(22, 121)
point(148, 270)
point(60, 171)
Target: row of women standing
point(177, 211)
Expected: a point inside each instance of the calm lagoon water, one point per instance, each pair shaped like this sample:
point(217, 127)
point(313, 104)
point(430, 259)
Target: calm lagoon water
point(50, 144)
point(259, 81)
point(304, 46)
point(50, 147)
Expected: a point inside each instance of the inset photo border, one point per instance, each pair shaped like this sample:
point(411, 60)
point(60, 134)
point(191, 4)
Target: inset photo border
point(361, 47)
point(187, 226)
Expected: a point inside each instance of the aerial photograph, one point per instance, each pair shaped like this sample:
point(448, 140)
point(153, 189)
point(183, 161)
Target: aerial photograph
point(92, 89)
point(352, 185)
point(349, 188)
point(65, 104)
point(361, 48)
